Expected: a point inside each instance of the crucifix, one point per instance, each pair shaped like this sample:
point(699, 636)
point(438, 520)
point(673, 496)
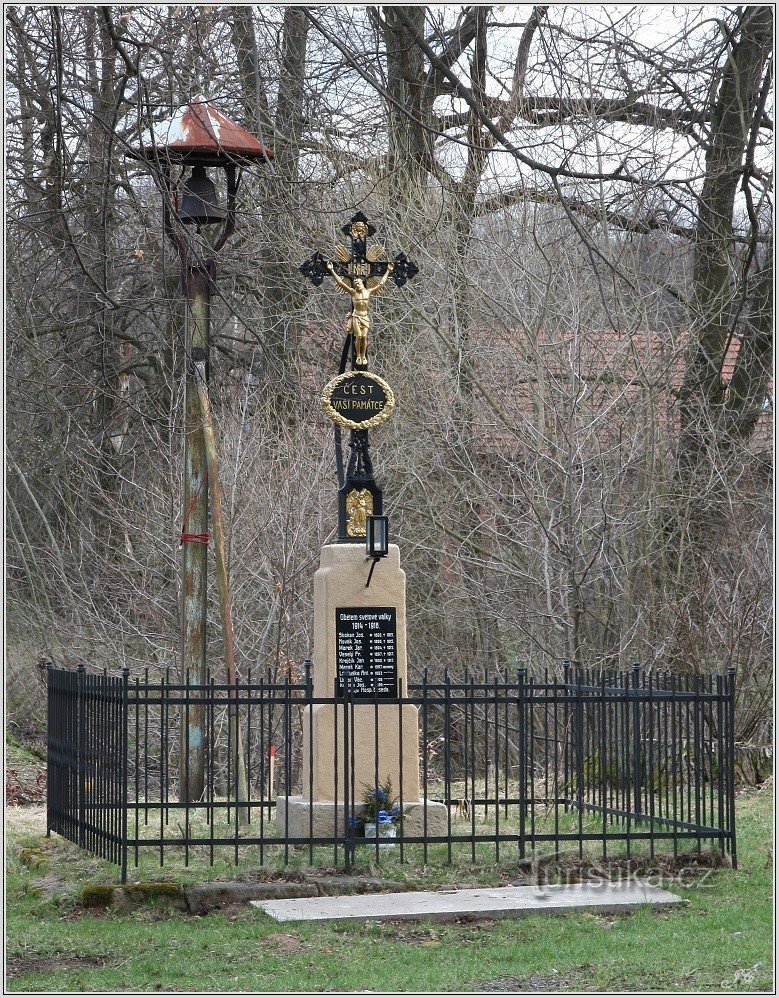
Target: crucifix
point(360, 274)
point(357, 400)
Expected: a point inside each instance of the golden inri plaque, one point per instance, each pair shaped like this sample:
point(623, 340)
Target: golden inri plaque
point(358, 400)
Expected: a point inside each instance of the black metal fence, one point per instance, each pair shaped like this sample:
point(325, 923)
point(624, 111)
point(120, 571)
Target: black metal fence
point(510, 766)
point(86, 798)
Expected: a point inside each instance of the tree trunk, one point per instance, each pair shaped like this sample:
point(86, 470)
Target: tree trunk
point(409, 107)
point(752, 373)
point(702, 392)
point(283, 291)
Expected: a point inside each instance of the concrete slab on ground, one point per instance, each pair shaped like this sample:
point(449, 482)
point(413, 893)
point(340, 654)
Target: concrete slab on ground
point(485, 902)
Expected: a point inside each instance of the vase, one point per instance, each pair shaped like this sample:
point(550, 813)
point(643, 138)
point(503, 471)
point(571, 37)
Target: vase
point(388, 831)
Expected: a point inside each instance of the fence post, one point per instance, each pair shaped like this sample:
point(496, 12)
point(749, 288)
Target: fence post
point(698, 756)
point(124, 774)
point(50, 781)
point(448, 764)
point(425, 707)
point(731, 686)
point(579, 753)
point(80, 753)
point(348, 806)
point(309, 736)
point(721, 777)
point(636, 740)
point(308, 666)
point(567, 734)
point(521, 674)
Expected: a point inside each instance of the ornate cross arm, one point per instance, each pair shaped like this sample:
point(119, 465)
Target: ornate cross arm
point(404, 269)
point(362, 261)
point(315, 269)
point(360, 273)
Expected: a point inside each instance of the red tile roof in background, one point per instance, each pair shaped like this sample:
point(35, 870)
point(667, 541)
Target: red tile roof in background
point(614, 370)
point(657, 359)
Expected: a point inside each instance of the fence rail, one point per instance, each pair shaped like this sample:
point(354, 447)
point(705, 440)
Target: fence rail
point(522, 764)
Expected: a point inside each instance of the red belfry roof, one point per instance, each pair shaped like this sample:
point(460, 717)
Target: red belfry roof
point(200, 132)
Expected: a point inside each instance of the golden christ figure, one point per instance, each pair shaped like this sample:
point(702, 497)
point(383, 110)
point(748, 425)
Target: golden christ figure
point(359, 321)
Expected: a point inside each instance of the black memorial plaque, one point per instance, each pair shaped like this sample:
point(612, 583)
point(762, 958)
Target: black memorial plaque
point(366, 651)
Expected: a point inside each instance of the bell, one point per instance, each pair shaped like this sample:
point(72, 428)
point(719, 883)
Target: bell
point(199, 205)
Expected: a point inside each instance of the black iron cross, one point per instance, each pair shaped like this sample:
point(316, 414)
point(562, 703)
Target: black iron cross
point(358, 263)
point(363, 263)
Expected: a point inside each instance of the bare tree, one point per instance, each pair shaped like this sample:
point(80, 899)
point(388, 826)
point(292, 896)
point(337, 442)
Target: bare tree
point(584, 359)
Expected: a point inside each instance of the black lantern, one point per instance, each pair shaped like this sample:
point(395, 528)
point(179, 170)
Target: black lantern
point(376, 541)
point(377, 536)
point(199, 202)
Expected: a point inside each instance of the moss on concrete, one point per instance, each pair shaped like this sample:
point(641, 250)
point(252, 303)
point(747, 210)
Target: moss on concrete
point(104, 895)
point(97, 895)
point(154, 891)
point(33, 858)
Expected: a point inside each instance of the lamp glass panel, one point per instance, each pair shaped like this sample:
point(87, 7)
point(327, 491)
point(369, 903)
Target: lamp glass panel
point(376, 536)
point(380, 535)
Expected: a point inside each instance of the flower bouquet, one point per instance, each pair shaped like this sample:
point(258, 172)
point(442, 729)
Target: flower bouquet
point(380, 813)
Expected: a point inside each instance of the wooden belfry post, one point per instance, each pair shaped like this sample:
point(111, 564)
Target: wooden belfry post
point(199, 137)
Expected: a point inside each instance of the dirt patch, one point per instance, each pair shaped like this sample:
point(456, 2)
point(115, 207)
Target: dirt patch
point(25, 773)
point(18, 966)
point(571, 980)
point(51, 887)
point(284, 943)
point(462, 928)
point(79, 913)
point(24, 788)
point(409, 932)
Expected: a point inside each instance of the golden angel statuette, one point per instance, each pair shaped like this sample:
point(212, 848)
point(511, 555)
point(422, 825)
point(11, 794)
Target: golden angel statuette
point(359, 506)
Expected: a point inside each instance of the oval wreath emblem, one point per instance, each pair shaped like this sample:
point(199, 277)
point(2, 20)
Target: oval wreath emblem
point(358, 400)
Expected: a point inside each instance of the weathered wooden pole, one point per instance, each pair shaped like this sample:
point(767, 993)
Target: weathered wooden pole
point(194, 533)
point(200, 137)
point(238, 762)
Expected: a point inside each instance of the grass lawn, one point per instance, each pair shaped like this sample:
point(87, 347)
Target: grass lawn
point(720, 941)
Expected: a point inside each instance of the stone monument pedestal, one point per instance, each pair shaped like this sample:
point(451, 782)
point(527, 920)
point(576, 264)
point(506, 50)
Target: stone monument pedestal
point(325, 819)
point(359, 647)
